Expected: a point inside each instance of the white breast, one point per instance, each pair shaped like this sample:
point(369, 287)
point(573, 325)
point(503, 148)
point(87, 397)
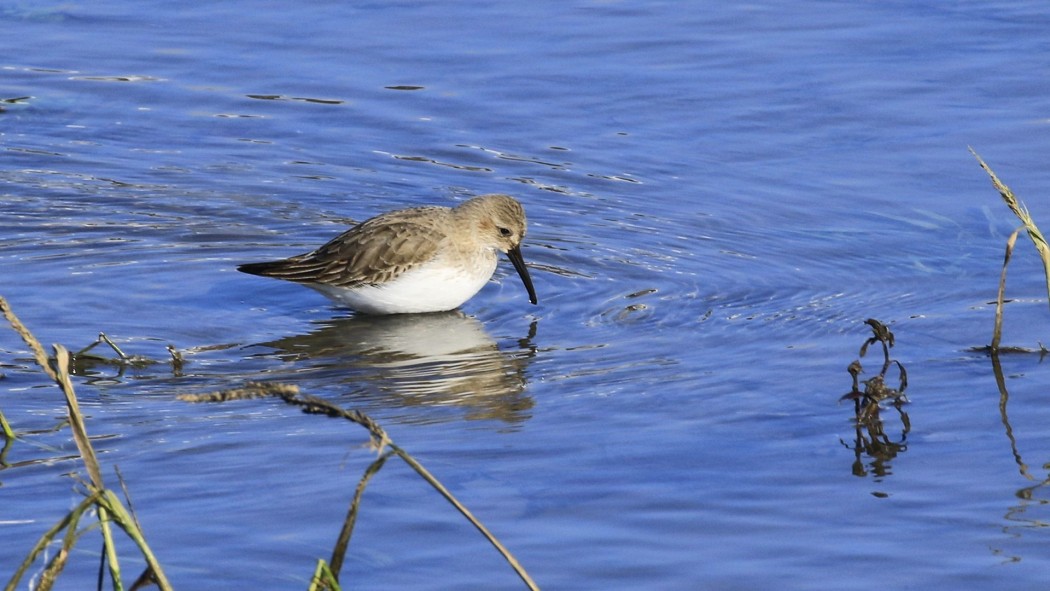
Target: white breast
point(434, 287)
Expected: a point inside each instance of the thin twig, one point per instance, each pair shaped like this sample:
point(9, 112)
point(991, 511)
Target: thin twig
point(381, 440)
point(343, 541)
point(434, 482)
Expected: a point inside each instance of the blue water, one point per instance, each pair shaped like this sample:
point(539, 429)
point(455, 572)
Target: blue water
point(718, 196)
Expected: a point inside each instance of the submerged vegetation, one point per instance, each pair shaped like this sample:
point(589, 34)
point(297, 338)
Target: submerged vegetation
point(870, 435)
point(109, 510)
point(868, 402)
point(876, 394)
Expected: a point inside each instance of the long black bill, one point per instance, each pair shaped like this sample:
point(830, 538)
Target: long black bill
point(514, 255)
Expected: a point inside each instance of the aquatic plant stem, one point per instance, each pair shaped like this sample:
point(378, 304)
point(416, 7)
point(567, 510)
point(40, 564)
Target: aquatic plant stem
point(70, 521)
point(997, 332)
point(129, 524)
point(29, 339)
point(323, 579)
point(5, 427)
point(316, 405)
point(343, 541)
point(313, 405)
point(105, 501)
point(1021, 212)
point(76, 419)
point(87, 453)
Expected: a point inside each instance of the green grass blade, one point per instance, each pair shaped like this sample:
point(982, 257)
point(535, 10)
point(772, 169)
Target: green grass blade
point(69, 522)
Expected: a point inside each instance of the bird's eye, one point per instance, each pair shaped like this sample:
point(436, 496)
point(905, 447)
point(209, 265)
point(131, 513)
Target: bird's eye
point(504, 232)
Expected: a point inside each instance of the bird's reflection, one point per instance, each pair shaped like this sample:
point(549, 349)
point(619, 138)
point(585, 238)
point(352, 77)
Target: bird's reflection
point(437, 359)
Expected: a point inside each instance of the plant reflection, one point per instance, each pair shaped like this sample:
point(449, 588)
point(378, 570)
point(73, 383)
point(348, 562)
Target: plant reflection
point(870, 438)
point(1004, 397)
point(1033, 495)
point(438, 359)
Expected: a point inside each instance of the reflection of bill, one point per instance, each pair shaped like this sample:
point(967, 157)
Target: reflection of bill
point(437, 359)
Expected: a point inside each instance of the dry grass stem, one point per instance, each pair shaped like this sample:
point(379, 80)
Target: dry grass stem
point(290, 394)
point(343, 541)
point(109, 508)
point(76, 420)
point(997, 332)
point(380, 440)
point(122, 518)
point(30, 340)
point(1021, 212)
point(249, 391)
point(518, 568)
point(68, 523)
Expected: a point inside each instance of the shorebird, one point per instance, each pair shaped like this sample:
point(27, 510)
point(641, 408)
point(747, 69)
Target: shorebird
point(421, 259)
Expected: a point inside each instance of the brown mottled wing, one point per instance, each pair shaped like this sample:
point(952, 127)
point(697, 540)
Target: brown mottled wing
point(374, 251)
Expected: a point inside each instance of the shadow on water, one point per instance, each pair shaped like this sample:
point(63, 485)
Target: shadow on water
point(438, 359)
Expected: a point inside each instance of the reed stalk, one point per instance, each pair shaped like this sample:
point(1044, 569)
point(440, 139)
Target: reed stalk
point(108, 506)
point(1021, 211)
point(380, 441)
point(343, 541)
point(1000, 298)
point(69, 523)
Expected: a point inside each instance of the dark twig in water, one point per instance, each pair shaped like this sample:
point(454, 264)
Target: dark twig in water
point(123, 360)
point(875, 389)
point(882, 335)
point(868, 402)
point(102, 338)
point(176, 360)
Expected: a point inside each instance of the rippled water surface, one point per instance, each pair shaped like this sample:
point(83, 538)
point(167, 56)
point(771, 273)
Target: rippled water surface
point(719, 194)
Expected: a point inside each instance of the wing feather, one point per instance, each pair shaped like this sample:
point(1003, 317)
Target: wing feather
point(372, 252)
